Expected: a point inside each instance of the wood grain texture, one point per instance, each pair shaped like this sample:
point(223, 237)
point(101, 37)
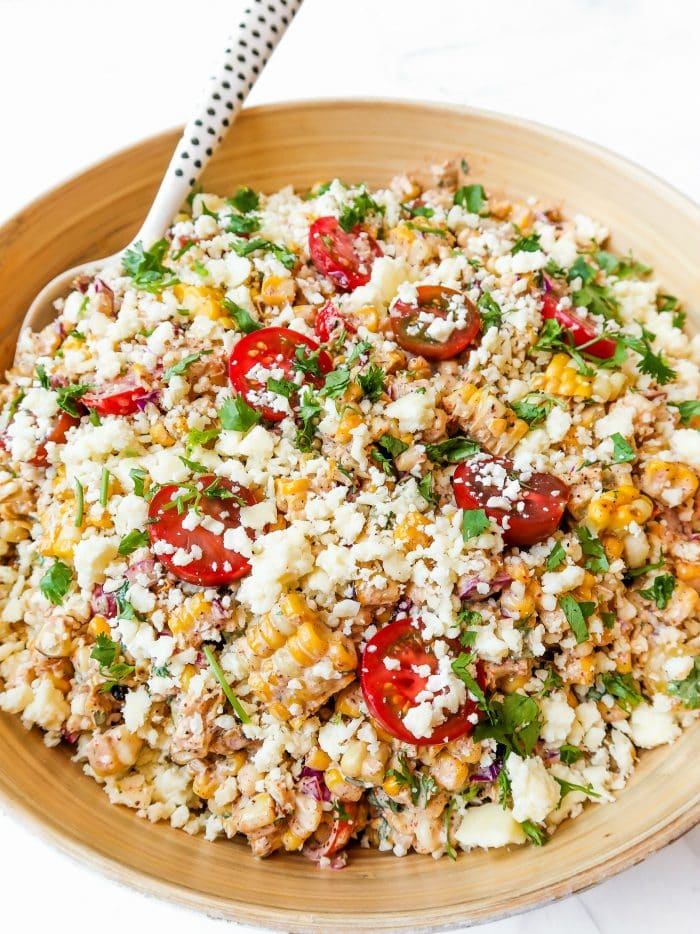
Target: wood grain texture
point(95, 214)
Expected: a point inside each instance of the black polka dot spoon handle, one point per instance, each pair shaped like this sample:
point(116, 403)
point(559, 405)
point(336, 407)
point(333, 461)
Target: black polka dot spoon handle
point(261, 27)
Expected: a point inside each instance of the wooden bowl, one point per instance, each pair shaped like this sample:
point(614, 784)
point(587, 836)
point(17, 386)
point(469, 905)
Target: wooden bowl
point(95, 214)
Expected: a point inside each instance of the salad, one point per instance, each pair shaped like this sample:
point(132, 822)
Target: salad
point(356, 516)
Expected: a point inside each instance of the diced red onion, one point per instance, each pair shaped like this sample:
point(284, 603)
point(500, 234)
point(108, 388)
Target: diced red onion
point(470, 592)
point(143, 401)
point(144, 569)
point(488, 775)
point(313, 785)
point(103, 604)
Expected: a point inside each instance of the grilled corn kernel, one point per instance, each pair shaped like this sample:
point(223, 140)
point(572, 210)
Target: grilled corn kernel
point(689, 573)
point(485, 418)
point(188, 672)
point(347, 702)
point(514, 683)
point(279, 711)
point(352, 759)
point(204, 785)
point(349, 421)
point(410, 534)
point(521, 215)
point(292, 487)
point(185, 617)
point(309, 643)
point(450, 772)
point(613, 546)
point(561, 379)
point(278, 290)
point(256, 813)
point(318, 759)
point(200, 300)
point(392, 786)
point(672, 483)
point(98, 626)
point(334, 780)
point(369, 316)
point(291, 842)
point(160, 435)
point(342, 654)
point(615, 510)
point(259, 685)
point(608, 385)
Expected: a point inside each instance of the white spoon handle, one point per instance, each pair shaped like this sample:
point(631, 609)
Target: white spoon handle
point(262, 25)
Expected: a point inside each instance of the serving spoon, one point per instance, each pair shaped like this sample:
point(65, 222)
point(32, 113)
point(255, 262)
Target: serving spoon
point(262, 25)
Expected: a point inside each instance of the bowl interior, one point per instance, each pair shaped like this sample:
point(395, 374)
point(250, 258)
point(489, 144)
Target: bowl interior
point(94, 215)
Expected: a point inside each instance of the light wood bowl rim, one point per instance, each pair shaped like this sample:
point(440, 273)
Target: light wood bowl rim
point(278, 919)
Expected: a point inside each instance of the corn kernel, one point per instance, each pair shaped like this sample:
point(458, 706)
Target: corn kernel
point(291, 842)
point(318, 759)
point(279, 711)
point(309, 643)
point(292, 487)
point(204, 785)
point(160, 435)
point(200, 300)
point(671, 482)
point(349, 421)
point(257, 813)
point(334, 780)
point(346, 703)
point(186, 616)
point(616, 509)
point(392, 786)
point(277, 291)
point(188, 672)
point(98, 626)
point(561, 379)
point(409, 532)
point(342, 654)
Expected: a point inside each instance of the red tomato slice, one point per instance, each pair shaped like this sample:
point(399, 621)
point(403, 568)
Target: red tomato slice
point(346, 258)
point(341, 831)
point(535, 511)
point(216, 565)
point(330, 322)
point(434, 301)
point(118, 398)
point(390, 693)
point(581, 330)
point(57, 435)
point(275, 350)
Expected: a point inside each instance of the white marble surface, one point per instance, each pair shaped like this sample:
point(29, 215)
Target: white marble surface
point(82, 78)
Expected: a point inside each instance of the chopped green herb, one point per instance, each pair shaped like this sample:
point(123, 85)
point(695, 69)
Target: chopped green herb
point(593, 550)
point(577, 613)
point(556, 557)
point(358, 351)
point(471, 197)
point(282, 253)
point(418, 210)
point(567, 787)
point(309, 413)
point(244, 322)
point(623, 688)
point(67, 398)
point(514, 722)
point(687, 411)
point(182, 366)
point(197, 438)
point(461, 666)
point(236, 415)
point(356, 212)
point(535, 834)
point(132, 541)
point(569, 754)
point(124, 608)
point(490, 311)
point(425, 488)
point(422, 228)
point(245, 200)
point(104, 487)
point(453, 451)
point(307, 360)
point(581, 270)
point(651, 363)
point(535, 407)
point(146, 269)
point(225, 686)
point(139, 477)
point(529, 244)
point(194, 466)
point(282, 387)
point(43, 378)
point(623, 452)
point(688, 690)
point(660, 591)
point(474, 522)
point(639, 572)
point(240, 224)
point(200, 269)
point(336, 382)
point(105, 652)
point(80, 500)
point(181, 252)
point(371, 382)
point(55, 582)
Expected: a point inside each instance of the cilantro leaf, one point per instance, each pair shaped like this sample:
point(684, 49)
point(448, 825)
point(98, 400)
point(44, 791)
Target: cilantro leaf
point(55, 582)
point(535, 407)
point(236, 415)
point(535, 834)
point(282, 253)
point(567, 787)
point(282, 387)
point(132, 541)
point(623, 688)
point(307, 360)
point(139, 477)
point(576, 615)
point(309, 412)
point(393, 446)
point(245, 200)
point(474, 522)
point(688, 690)
point(651, 363)
point(461, 666)
point(470, 197)
point(355, 212)
point(569, 754)
point(244, 322)
point(453, 451)
point(182, 366)
point(593, 550)
point(146, 269)
point(687, 411)
point(240, 224)
point(623, 452)
point(660, 591)
point(514, 722)
point(197, 438)
point(336, 382)
point(371, 382)
point(490, 311)
point(67, 398)
point(43, 378)
point(194, 466)
point(425, 488)
point(555, 557)
point(529, 244)
point(105, 651)
point(358, 351)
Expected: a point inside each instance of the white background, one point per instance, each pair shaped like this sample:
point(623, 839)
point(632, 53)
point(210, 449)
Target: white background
point(82, 78)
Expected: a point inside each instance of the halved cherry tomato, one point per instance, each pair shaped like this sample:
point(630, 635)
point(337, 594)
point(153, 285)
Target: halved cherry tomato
point(118, 398)
point(581, 330)
point(391, 692)
point(535, 510)
point(57, 435)
point(341, 830)
point(275, 350)
point(434, 302)
point(330, 322)
point(216, 565)
point(346, 258)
